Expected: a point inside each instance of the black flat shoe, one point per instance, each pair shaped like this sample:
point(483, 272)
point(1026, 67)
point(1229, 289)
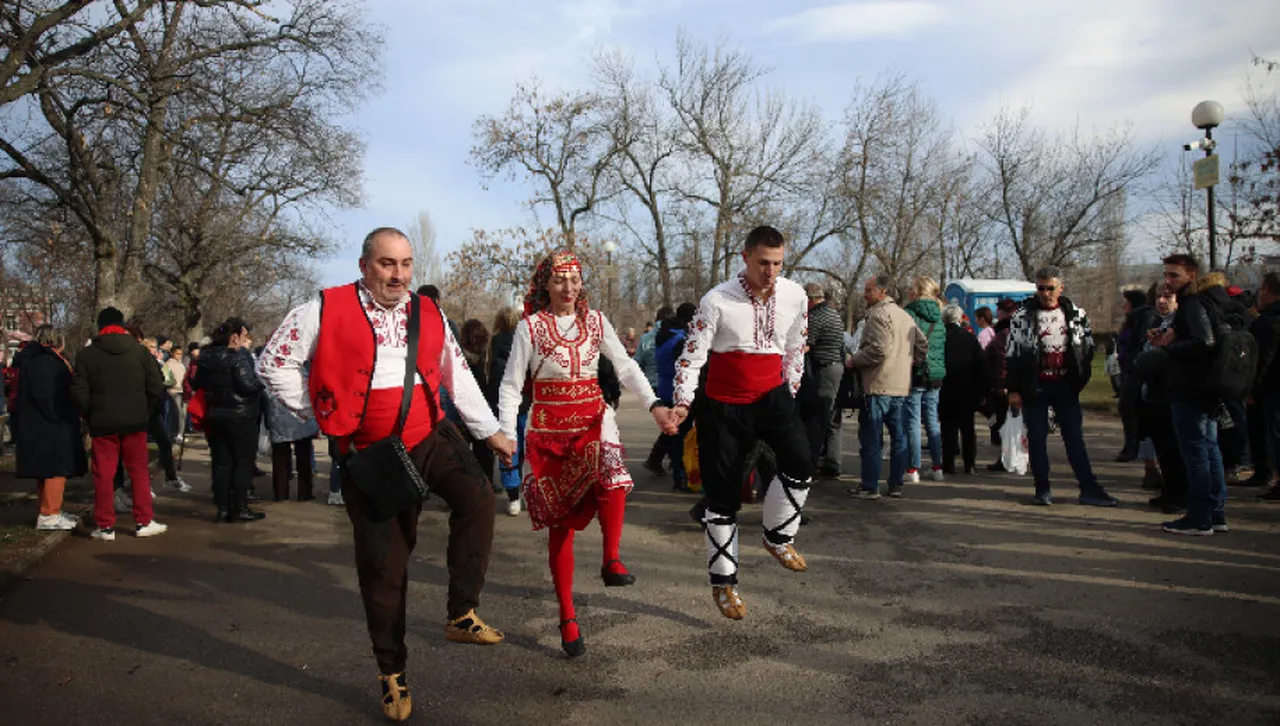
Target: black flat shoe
point(572, 648)
point(616, 579)
point(246, 515)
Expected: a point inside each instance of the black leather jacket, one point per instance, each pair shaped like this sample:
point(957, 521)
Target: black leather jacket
point(232, 389)
point(1200, 305)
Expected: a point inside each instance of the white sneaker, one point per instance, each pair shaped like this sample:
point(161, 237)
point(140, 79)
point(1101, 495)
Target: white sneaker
point(124, 501)
point(151, 529)
point(335, 498)
point(937, 475)
point(55, 522)
point(911, 477)
point(513, 508)
point(105, 535)
point(178, 484)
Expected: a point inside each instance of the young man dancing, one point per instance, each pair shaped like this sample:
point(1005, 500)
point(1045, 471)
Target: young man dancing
point(750, 333)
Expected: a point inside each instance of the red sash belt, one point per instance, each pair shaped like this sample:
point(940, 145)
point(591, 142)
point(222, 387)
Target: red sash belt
point(737, 377)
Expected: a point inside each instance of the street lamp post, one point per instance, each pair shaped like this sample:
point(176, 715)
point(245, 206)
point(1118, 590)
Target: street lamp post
point(1207, 115)
point(609, 273)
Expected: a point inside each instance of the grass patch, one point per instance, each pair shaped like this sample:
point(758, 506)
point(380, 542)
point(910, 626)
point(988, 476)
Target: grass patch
point(1097, 395)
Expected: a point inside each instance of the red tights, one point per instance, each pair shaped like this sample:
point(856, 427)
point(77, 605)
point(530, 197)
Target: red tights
point(610, 508)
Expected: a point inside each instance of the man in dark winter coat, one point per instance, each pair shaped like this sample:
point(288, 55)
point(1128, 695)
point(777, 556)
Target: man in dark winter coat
point(115, 386)
point(1048, 361)
point(1266, 387)
point(1190, 343)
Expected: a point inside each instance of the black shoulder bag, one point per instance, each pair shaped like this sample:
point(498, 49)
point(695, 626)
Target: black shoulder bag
point(383, 471)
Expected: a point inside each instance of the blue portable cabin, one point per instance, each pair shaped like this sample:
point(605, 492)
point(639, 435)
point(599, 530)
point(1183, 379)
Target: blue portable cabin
point(973, 294)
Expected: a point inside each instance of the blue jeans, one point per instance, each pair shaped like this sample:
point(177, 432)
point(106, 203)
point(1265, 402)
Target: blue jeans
point(1066, 404)
point(877, 412)
point(1197, 433)
point(511, 475)
point(926, 400)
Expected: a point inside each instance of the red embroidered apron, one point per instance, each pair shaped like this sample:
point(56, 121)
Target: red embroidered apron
point(564, 452)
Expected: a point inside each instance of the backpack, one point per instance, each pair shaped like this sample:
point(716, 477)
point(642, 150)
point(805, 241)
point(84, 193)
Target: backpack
point(1233, 362)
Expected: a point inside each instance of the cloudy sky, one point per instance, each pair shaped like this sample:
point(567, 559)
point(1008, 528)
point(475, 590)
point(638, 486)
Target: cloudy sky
point(1093, 62)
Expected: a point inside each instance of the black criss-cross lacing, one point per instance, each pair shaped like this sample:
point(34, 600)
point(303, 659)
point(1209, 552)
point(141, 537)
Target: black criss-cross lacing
point(775, 535)
point(722, 549)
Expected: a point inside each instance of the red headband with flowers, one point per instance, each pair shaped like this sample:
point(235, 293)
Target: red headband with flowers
point(558, 262)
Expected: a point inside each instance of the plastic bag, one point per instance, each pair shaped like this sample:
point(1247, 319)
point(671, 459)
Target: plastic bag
point(1013, 443)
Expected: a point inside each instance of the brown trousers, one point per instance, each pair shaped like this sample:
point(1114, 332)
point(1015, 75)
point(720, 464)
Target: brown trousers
point(383, 548)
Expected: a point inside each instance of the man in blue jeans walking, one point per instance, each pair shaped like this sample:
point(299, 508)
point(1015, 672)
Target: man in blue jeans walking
point(891, 344)
point(1202, 302)
point(1048, 360)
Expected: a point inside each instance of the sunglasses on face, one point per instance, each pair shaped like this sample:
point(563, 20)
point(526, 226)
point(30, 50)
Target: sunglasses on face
point(1046, 288)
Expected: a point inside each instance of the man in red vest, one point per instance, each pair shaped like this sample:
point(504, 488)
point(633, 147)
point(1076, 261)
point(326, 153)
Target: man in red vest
point(355, 337)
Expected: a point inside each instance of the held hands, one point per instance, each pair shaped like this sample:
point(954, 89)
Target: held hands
point(503, 446)
point(665, 419)
point(678, 415)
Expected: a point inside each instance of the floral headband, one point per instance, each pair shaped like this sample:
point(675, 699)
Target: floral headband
point(558, 262)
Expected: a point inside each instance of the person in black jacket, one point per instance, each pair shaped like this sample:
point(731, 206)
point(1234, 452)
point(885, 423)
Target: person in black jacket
point(1150, 376)
point(963, 388)
point(115, 386)
point(1138, 319)
point(47, 445)
point(1265, 409)
point(233, 395)
point(504, 334)
point(1190, 344)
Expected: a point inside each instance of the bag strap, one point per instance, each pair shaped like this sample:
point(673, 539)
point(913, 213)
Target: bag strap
point(410, 365)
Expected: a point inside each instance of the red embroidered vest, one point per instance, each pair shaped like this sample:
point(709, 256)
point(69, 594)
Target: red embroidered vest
point(341, 374)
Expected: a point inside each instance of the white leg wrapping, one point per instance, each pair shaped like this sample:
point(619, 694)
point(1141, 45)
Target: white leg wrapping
point(722, 546)
point(782, 507)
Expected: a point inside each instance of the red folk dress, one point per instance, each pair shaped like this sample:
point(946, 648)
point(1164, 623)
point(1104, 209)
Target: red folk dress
point(572, 443)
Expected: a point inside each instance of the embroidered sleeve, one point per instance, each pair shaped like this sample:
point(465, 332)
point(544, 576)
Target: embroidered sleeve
point(511, 390)
point(697, 347)
point(281, 364)
point(456, 376)
point(629, 372)
point(793, 353)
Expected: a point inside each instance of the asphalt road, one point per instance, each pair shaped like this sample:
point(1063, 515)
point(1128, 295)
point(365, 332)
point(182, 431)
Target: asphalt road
point(955, 605)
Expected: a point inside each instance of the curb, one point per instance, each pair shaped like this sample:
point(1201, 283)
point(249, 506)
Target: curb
point(32, 557)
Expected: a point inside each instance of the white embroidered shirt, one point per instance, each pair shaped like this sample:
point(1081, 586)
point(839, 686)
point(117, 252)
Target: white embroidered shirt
point(732, 319)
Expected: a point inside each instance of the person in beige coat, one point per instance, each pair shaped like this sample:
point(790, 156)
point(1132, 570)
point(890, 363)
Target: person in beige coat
point(891, 344)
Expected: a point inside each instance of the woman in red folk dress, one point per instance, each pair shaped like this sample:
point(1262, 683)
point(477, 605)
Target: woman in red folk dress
point(577, 470)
